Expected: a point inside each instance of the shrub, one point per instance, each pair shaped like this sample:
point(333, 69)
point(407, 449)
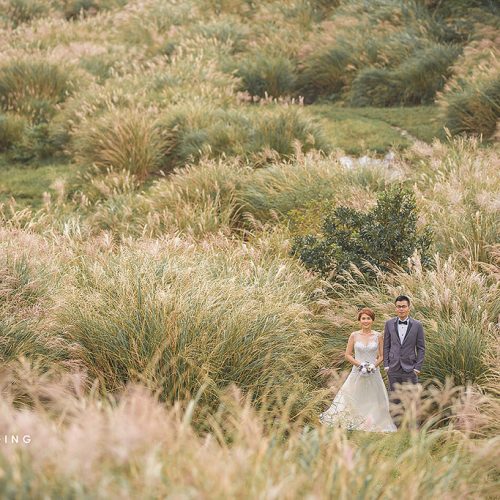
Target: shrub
point(413, 82)
point(36, 143)
point(266, 74)
point(126, 140)
point(384, 237)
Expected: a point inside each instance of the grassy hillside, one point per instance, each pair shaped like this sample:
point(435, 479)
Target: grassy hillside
point(158, 160)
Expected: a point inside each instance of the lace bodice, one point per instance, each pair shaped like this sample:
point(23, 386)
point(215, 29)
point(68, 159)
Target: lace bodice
point(366, 351)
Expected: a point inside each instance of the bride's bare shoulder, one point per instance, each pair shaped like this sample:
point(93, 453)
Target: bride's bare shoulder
point(355, 333)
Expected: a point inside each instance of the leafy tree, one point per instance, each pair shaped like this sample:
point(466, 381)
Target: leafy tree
point(385, 237)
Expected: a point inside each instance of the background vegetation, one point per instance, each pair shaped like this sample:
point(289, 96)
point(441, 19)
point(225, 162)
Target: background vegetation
point(158, 160)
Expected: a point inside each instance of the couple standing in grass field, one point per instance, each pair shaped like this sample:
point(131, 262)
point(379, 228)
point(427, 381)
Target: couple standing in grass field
point(362, 403)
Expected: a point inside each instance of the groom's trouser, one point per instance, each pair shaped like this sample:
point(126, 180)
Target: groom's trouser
point(401, 377)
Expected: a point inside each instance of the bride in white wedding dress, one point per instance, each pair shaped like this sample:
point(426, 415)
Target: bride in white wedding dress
point(362, 402)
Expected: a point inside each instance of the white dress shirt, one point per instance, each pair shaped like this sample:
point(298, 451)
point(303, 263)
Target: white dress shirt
point(402, 329)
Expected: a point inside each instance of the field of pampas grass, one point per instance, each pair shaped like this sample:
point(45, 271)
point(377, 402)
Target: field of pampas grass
point(158, 338)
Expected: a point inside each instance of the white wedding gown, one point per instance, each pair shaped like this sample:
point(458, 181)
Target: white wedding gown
point(362, 402)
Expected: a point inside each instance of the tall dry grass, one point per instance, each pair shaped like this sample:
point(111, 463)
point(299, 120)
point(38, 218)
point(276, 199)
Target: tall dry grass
point(184, 315)
point(470, 101)
point(129, 445)
point(458, 187)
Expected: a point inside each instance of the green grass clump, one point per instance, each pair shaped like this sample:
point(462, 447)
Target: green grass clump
point(227, 31)
point(24, 11)
point(122, 140)
point(11, 130)
point(414, 82)
point(459, 186)
point(266, 75)
point(34, 87)
point(196, 132)
point(275, 190)
point(287, 130)
point(326, 73)
point(475, 110)
point(73, 9)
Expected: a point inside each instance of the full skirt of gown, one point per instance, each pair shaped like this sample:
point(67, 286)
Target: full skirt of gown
point(362, 402)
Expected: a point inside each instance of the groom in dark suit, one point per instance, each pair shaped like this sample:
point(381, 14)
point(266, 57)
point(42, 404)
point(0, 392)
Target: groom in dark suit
point(404, 345)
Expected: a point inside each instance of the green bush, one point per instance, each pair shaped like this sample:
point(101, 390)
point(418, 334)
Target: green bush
point(458, 349)
point(475, 110)
point(385, 237)
point(413, 82)
point(100, 65)
point(267, 75)
point(459, 8)
point(36, 143)
point(282, 187)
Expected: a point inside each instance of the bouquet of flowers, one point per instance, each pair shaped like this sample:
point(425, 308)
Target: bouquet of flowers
point(366, 368)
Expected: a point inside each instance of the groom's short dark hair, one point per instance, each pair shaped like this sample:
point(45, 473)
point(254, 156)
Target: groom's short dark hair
point(400, 298)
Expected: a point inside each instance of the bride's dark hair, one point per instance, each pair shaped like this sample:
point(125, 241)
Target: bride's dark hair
point(367, 311)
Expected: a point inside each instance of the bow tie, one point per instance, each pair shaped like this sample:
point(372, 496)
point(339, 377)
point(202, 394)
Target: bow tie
point(405, 322)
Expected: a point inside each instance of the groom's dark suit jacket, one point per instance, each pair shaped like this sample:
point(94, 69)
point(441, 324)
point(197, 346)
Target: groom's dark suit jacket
point(410, 355)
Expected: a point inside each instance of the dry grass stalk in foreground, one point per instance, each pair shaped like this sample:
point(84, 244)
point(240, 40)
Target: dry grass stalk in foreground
point(81, 445)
